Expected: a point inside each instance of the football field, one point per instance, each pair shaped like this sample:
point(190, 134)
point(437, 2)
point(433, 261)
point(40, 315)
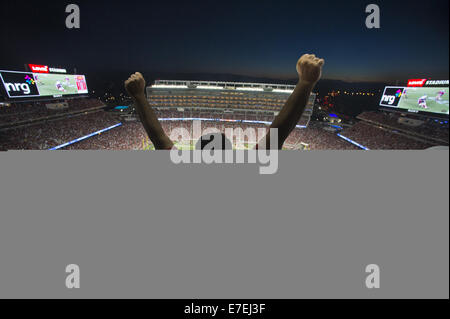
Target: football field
point(409, 100)
point(46, 84)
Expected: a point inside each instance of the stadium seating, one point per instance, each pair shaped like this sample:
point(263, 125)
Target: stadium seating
point(378, 138)
point(434, 129)
point(24, 112)
point(34, 127)
point(51, 133)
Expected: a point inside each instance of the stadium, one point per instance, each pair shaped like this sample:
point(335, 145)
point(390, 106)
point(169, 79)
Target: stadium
point(71, 119)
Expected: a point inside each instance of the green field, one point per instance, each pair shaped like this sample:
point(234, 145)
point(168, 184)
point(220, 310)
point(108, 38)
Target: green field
point(409, 100)
point(46, 84)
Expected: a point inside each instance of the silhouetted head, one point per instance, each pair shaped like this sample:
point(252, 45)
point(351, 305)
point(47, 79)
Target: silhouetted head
point(214, 141)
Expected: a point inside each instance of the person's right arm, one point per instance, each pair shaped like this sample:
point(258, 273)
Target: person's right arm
point(135, 86)
point(309, 69)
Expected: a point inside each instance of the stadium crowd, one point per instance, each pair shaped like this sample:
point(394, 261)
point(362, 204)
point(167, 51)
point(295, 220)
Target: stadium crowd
point(272, 102)
point(209, 114)
point(132, 136)
point(378, 138)
point(375, 130)
point(431, 128)
point(51, 133)
point(22, 112)
point(128, 136)
point(315, 136)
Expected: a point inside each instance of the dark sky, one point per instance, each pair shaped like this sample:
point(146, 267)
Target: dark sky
point(256, 38)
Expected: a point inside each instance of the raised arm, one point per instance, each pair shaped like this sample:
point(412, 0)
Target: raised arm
point(309, 69)
point(135, 86)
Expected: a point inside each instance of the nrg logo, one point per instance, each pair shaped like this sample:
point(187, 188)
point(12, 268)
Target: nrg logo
point(392, 96)
point(19, 84)
point(21, 87)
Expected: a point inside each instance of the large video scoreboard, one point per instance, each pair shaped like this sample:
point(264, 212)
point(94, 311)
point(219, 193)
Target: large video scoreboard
point(29, 84)
point(420, 96)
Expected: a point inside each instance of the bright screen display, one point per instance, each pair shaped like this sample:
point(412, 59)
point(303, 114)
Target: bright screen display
point(27, 84)
point(417, 99)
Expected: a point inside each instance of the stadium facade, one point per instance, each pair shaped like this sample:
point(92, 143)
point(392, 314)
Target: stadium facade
point(218, 98)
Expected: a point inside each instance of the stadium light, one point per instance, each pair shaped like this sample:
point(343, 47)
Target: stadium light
point(162, 86)
point(282, 91)
point(250, 89)
point(203, 87)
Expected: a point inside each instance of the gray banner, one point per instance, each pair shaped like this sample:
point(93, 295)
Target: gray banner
point(139, 226)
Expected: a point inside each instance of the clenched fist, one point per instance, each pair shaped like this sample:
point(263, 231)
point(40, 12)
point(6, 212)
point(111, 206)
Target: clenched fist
point(309, 68)
point(135, 85)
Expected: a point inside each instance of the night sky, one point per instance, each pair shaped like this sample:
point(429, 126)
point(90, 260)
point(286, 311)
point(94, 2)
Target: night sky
point(255, 38)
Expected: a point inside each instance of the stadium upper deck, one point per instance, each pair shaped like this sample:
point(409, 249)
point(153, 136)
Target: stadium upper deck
point(258, 97)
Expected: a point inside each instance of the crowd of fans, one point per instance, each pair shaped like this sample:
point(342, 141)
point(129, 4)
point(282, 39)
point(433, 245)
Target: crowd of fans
point(51, 133)
point(13, 113)
point(431, 128)
point(375, 130)
point(132, 136)
point(314, 136)
point(318, 138)
point(128, 136)
point(210, 114)
point(266, 101)
point(378, 138)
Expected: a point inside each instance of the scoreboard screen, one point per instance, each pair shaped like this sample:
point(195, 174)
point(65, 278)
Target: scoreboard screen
point(28, 84)
point(433, 100)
